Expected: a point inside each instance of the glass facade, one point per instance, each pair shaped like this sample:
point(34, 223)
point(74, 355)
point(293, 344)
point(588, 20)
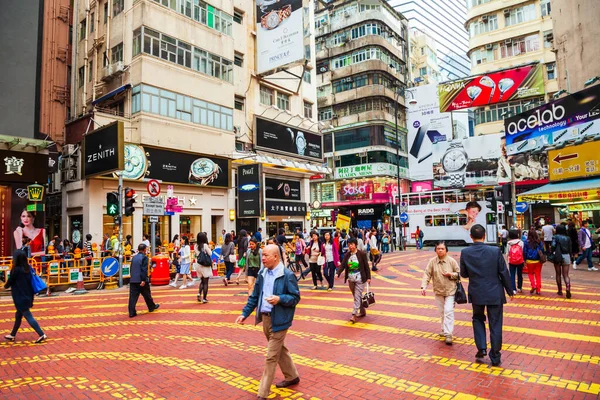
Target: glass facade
point(201, 12)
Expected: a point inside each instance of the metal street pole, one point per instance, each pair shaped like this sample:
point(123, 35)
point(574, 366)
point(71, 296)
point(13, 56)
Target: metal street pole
point(513, 191)
point(121, 206)
point(397, 171)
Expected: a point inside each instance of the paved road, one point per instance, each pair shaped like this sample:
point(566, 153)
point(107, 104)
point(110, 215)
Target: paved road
point(189, 350)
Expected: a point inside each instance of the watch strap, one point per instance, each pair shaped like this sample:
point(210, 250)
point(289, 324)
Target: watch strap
point(457, 180)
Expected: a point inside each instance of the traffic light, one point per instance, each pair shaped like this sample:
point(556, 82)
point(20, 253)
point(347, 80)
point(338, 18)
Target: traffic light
point(112, 203)
point(388, 209)
point(129, 201)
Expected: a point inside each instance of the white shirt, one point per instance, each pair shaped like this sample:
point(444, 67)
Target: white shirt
point(329, 252)
point(373, 241)
point(548, 231)
point(361, 245)
point(146, 242)
point(504, 233)
point(588, 242)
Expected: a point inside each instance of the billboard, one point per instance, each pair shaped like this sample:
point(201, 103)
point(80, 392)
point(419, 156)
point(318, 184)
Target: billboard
point(483, 161)
point(282, 189)
point(572, 117)
point(492, 88)
point(571, 162)
point(426, 126)
point(103, 150)
point(288, 140)
point(279, 33)
point(248, 177)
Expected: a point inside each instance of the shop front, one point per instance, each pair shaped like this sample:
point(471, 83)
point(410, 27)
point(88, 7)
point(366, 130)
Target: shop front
point(289, 215)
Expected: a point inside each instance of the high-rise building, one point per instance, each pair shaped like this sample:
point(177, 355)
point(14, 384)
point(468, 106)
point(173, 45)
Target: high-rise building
point(362, 55)
point(189, 81)
point(424, 68)
point(444, 21)
point(510, 37)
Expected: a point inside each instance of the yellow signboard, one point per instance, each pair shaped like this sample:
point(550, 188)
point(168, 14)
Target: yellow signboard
point(343, 222)
point(578, 161)
point(564, 196)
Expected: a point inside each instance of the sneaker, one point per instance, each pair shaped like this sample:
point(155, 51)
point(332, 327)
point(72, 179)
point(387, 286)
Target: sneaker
point(329, 289)
point(173, 284)
point(574, 265)
point(182, 286)
point(593, 269)
point(190, 284)
point(70, 290)
point(314, 288)
point(204, 301)
point(448, 340)
point(41, 339)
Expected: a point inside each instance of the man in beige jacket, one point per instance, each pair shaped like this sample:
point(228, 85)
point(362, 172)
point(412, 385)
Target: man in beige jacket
point(444, 271)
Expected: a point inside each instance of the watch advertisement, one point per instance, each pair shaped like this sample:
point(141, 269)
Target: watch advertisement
point(103, 150)
point(144, 162)
point(248, 188)
point(492, 88)
point(572, 117)
point(282, 189)
point(286, 208)
point(279, 33)
point(288, 140)
point(426, 127)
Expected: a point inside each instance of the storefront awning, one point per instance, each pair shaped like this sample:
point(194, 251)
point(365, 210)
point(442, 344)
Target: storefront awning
point(111, 94)
point(565, 192)
point(275, 161)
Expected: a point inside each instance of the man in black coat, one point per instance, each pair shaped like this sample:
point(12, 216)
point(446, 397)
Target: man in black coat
point(139, 282)
point(488, 278)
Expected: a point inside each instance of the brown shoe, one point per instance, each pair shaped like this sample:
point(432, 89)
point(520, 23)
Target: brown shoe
point(284, 384)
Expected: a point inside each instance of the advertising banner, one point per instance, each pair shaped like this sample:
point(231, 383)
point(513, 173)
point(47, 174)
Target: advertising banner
point(425, 186)
point(367, 170)
point(103, 150)
point(482, 161)
point(249, 178)
point(492, 88)
point(18, 166)
point(288, 140)
point(426, 126)
point(144, 162)
point(286, 208)
point(581, 161)
point(279, 33)
point(572, 117)
point(282, 189)
point(343, 222)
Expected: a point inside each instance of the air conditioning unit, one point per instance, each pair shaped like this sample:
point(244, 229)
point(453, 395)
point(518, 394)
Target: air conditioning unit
point(484, 19)
point(548, 37)
point(507, 12)
point(324, 22)
point(69, 175)
point(347, 14)
point(67, 163)
point(112, 70)
point(55, 184)
point(508, 41)
point(68, 149)
point(489, 46)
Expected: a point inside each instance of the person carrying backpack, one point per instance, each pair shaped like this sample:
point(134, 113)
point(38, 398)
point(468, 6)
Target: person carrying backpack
point(533, 252)
point(516, 261)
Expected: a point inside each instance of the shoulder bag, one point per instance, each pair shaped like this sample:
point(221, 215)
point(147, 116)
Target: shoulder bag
point(460, 297)
point(368, 298)
point(540, 252)
point(204, 258)
point(37, 283)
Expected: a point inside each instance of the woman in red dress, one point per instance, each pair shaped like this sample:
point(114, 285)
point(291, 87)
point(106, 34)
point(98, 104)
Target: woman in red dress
point(27, 229)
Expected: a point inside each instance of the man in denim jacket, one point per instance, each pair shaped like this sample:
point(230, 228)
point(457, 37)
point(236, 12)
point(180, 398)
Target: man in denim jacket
point(274, 297)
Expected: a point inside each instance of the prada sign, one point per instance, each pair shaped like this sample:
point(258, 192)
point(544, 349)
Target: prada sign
point(103, 150)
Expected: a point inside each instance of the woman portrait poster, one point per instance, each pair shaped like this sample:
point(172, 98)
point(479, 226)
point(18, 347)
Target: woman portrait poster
point(27, 228)
point(472, 210)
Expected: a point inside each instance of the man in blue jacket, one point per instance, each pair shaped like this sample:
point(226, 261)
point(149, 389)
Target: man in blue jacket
point(275, 297)
point(140, 282)
point(488, 279)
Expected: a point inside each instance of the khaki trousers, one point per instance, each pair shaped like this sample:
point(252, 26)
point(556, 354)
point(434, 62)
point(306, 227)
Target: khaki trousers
point(277, 354)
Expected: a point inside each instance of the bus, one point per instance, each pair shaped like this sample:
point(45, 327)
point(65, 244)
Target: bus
point(449, 215)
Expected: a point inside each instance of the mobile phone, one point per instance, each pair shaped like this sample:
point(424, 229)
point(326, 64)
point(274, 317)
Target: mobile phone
point(416, 146)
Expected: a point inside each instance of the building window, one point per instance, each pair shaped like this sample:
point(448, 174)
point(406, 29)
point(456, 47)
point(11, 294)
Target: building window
point(238, 59)
point(203, 13)
point(184, 54)
point(266, 96)
point(82, 29)
point(521, 14)
point(283, 101)
point(520, 46)
point(545, 4)
point(239, 103)
point(105, 12)
point(308, 110)
point(173, 105)
point(473, 3)
point(551, 70)
point(117, 7)
point(92, 22)
point(80, 76)
point(548, 38)
point(90, 70)
point(482, 56)
point(488, 23)
point(325, 114)
point(423, 71)
point(365, 54)
point(307, 77)
point(238, 17)
point(495, 112)
point(116, 54)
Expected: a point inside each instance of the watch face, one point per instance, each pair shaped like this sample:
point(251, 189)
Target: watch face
point(272, 20)
point(204, 171)
point(454, 160)
point(135, 162)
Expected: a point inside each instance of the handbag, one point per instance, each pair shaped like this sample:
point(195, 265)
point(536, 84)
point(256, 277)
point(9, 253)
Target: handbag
point(242, 262)
point(460, 297)
point(37, 283)
point(204, 259)
point(543, 257)
point(232, 258)
point(368, 298)
point(320, 260)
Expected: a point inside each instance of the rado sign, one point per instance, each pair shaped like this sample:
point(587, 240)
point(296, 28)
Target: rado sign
point(366, 211)
point(103, 150)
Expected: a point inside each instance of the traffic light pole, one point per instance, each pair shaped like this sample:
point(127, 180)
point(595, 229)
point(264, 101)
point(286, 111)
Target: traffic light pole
point(121, 206)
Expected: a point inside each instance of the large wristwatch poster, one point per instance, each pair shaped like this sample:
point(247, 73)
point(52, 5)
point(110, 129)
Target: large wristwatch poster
point(279, 33)
point(288, 140)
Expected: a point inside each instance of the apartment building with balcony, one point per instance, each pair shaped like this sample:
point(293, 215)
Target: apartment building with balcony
point(362, 56)
point(507, 34)
point(424, 67)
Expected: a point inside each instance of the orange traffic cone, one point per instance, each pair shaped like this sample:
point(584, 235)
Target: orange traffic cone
point(80, 287)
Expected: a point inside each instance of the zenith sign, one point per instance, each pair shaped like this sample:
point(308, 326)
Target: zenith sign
point(558, 159)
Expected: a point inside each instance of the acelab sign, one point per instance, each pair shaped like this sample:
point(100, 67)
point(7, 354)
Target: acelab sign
point(288, 140)
point(103, 150)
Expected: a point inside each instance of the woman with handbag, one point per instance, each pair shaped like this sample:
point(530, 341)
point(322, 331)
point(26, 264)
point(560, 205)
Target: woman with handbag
point(300, 258)
point(533, 253)
point(560, 250)
point(22, 293)
point(242, 246)
point(203, 256)
point(443, 271)
point(185, 262)
point(228, 254)
point(253, 263)
point(331, 252)
point(314, 257)
point(357, 273)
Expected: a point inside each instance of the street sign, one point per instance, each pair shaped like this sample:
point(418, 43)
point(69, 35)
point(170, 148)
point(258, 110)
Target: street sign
point(153, 187)
point(110, 267)
point(521, 206)
point(154, 206)
point(404, 217)
point(570, 162)
point(153, 219)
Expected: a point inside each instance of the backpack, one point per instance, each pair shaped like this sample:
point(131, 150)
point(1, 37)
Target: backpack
point(421, 234)
point(515, 254)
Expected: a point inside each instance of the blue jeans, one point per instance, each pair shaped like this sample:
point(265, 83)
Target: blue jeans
point(30, 320)
point(518, 271)
point(329, 272)
point(587, 254)
point(229, 266)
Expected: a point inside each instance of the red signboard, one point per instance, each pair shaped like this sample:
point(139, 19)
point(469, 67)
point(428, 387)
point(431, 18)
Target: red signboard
point(492, 88)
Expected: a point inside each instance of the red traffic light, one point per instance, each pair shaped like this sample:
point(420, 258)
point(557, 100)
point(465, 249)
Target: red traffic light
point(129, 193)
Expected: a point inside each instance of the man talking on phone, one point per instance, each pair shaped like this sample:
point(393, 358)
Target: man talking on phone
point(275, 297)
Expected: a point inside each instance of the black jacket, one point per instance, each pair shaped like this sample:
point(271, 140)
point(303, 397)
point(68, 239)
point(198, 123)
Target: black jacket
point(21, 290)
point(363, 261)
point(563, 241)
point(139, 269)
point(486, 269)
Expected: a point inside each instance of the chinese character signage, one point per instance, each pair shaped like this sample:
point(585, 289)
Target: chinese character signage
point(290, 141)
point(279, 33)
point(567, 195)
point(18, 166)
point(285, 208)
point(367, 170)
point(103, 150)
point(571, 162)
point(492, 88)
point(249, 183)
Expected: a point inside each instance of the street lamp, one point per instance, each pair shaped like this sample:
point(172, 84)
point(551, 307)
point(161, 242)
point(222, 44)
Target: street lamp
point(591, 81)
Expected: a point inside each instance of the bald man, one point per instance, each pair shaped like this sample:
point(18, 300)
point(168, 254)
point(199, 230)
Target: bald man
point(274, 297)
